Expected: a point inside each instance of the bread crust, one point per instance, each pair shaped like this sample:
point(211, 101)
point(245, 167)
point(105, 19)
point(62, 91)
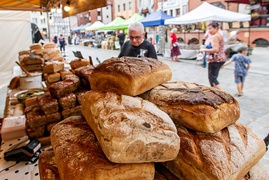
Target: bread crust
point(195, 106)
point(129, 129)
point(228, 154)
point(129, 75)
point(79, 155)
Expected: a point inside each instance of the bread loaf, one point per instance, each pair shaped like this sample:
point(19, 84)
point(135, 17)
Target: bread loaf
point(79, 63)
point(129, 129)
point(195, 106)
point(79, 156)
point(54, 77)
point(14, 83)
point(129, 75)
point(67, 86)
point(227, 154)
point(49, 45)
point(24, 52)
point(48, 169)
point(53, 67)
point(35, 46)
point(257, 172)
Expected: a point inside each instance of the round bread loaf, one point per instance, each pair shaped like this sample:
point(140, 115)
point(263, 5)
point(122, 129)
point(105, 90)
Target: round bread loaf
point(14, 83)
point(49, 45)
point(195, 106)
point(35, 46)
point(129, 75)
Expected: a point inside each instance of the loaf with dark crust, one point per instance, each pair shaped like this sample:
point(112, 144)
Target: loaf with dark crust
point(48, 169)
point(195, 106)
point(79, 155)
point(130, 129)
point(129, 75)
point(65, 87)
point(225, 155)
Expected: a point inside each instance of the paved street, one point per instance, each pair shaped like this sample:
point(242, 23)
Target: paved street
point(254, 104)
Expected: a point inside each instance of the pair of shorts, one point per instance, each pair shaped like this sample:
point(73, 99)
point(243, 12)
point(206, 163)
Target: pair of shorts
point(238, 79)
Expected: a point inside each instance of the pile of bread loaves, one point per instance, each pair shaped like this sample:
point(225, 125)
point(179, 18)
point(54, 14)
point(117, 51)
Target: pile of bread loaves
point(34, 58)
point(61, 100)
point(135, 119)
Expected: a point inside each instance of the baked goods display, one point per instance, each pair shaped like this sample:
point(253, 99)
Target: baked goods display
point(137, 122)
point(195, 106)
point(129, 75)
point(78, 155)
point(226, 154)
point(130, 129)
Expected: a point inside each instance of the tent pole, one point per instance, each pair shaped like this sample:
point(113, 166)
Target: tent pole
point(48, 24)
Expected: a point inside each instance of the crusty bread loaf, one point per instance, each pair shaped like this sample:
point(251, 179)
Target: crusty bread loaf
point(53, 67)
point(36, 60)
point(48, 169)
point(37, 51)
point(79, 63)
point(79, 155)
point(257, 172)
point(35, 46)
point(24, 52)
point(49, 45)
point(129, 75)
point(48, 55)
point(54, 77)
point(195, 106)
point(130, 129)
point(67, 86)
point(228, 154)
point(14, 83)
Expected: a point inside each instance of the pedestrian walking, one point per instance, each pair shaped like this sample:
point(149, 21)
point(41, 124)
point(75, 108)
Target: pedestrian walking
point(175, 52)
point(217, 55)
point(121, 37)
point(242, 65)
point(62, 43)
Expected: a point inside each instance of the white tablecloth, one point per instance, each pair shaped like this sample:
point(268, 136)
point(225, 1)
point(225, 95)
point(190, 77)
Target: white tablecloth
point(12, 170)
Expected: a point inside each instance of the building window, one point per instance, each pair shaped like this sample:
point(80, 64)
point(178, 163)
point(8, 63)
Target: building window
point(118, 8)
point(43, 21)
point(130, 5)
point(107, 16)
point(124, 7)
point(99, 13)
point(171, 12)
point(35, 20)
point(178, 12)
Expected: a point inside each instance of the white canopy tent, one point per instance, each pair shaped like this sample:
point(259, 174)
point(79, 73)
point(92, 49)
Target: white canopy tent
point(95, 26)
point(208, 12)
point(15, 36)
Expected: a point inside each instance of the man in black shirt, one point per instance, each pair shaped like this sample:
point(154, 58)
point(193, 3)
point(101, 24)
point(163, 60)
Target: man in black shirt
point(121, 37)
point(137, 46)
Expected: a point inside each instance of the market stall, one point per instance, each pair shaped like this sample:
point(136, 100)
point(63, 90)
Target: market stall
point(208, 12)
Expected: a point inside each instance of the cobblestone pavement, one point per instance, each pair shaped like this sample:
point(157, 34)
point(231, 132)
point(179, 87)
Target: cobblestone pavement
point(253, 104)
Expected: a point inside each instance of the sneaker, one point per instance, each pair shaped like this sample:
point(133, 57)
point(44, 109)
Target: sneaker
point(238, 95)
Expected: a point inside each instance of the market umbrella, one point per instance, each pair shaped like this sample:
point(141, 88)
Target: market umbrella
point(208, 12)
point(155, 19)
point(95, 26)
point(86, 26)
point(113, 24)
point(136, 17)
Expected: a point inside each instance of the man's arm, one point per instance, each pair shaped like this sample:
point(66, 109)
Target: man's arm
point(152, 52)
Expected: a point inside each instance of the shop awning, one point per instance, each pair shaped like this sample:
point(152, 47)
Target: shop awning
point(76, 6)
point(134, 18)
point(113, 24)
